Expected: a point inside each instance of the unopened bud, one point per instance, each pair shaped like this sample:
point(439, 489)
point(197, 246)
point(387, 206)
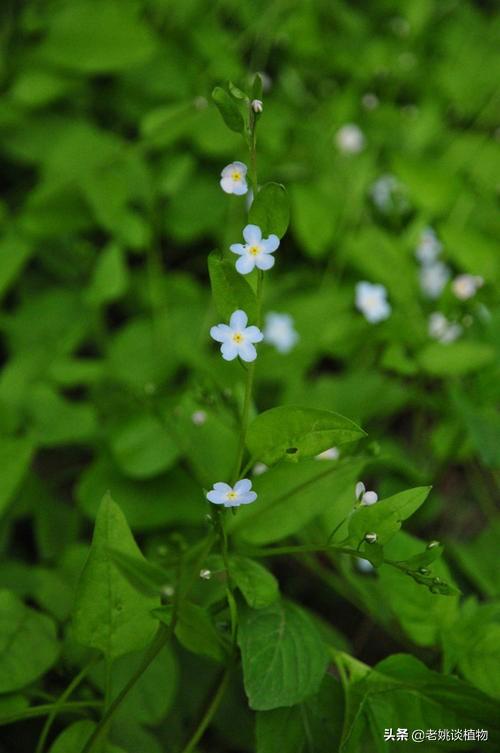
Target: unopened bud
point(167, 590)
point(423, 570)
point(370, 538)
point(432, 544)
point(257, 105)
point(205, 574)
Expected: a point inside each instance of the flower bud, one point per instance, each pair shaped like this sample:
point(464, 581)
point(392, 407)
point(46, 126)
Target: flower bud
point(370, 538)
point(432, 544)
point(257, 105)
point(205, 574)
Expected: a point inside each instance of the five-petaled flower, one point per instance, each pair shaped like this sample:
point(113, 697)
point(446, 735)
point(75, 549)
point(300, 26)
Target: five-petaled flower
point(256, 252)
point(371, 300)
point(237, 339)
point(279, 331)
point(234, 178)
point(232, 496)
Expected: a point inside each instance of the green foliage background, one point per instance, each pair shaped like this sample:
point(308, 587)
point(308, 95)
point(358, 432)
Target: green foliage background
point(111, 151)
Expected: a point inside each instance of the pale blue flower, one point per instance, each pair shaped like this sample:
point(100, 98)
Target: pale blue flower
point(233, 178)
point(429, 246)
point(279, 331)
point(371, 300)
point(232, 496)
point(433, 278)
point(237, 339)
point(256, 252)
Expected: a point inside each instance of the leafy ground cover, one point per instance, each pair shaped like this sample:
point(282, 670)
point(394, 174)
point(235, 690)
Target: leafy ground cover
point(249, 260)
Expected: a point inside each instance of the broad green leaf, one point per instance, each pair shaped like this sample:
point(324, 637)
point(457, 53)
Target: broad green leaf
point(74, 737)
point(314, 217)
point(228, 109)
point(401, 692)
point(109, 613)
point(454, 359)
point(58, 421)
point(284, 658)
point(270, 210)
point(385, 517)
point(28, 643)
point(143, 447)
point(15, 457)
point(195, 630)
point(258, 586)
point(143, 575)
point(314, 725)
point(101, 38)
point(290, 496)
point(14, 253)
point(292, 432)
point(230, 289)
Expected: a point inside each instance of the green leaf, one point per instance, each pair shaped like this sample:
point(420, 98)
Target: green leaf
point(142, 447)
point(284, 658)
point(454, 359)
point(385, 517)
point(230, 289)
point(228, 109)
point(400, 692)
point(195, 630)
point(290, 496)
point(28, 643)
point(293, 433)
point(109, 613)
point(110, 278)
point(100, 38)
point(143, 575)
point(15, 457)
point(314, 725)
point(258, 586)
point(270, 210)
point(74, 737)
point(257, 87)
point(478, 559)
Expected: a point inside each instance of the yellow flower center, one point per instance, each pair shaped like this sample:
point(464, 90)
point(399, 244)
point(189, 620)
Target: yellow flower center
point(237, 337)
point(236, 176)
point(232, 495)
point(254, 250)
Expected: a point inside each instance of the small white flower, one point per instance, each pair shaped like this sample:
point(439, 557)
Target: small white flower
point(237, 339)
point(350, 139)
point(371, 538)
point(370, 101)
point(257, 105)
point(232, 496)
point(363, 496)
point(256, 252)
point(331, 454)
point(199, 417)
point(429, 247)
point(205, 574)
point(466, 286)
point(371, 300)
point(259, 469)
point(441, 329)
point(279, 331)
point(433, 278)
point(233, 178)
